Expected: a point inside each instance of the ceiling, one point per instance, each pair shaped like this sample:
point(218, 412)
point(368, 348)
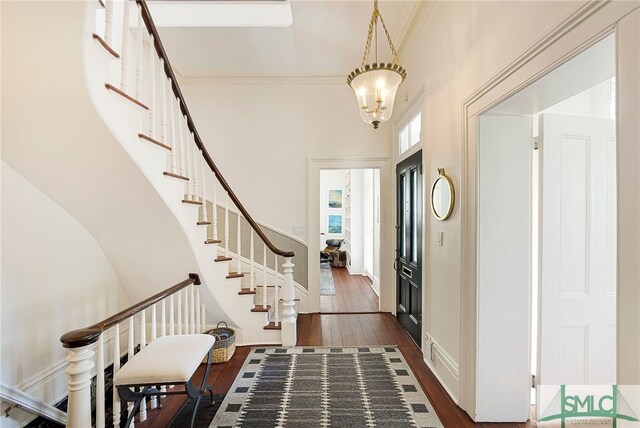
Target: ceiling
point(327, 38)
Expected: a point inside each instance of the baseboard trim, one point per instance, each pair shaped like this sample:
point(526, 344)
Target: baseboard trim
point(445, 369)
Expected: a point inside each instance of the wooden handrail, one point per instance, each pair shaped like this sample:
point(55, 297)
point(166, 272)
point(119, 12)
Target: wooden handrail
point(87, 336)
point(151, 28)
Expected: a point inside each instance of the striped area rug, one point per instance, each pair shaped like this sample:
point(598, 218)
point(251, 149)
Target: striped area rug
point(326, 387)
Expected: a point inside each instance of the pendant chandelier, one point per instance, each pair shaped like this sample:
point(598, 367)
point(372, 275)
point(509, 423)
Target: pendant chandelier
point(375, 85)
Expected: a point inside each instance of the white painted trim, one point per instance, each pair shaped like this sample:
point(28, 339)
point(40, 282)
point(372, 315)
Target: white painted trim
point(31, 404)
point(436, 357)
point(442, 383)
point(387, 291)
point(376, 285)
point(587, 24)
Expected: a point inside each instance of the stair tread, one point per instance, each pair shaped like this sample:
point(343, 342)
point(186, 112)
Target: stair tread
point(171, 174)
point(260, 308)
point(187, 201)
point(105, 45)
point(213, 241)
point(272, 326)
point(123, 94)
point(154, 141)
point(203, 223)
point(234, 275)
point(244, 291)
point(222, 259)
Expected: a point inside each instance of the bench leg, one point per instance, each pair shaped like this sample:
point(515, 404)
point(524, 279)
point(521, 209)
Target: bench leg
point(192, 392)
point(128, 396)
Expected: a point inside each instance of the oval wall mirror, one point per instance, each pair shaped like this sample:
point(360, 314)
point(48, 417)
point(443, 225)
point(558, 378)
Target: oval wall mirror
point(442, 196)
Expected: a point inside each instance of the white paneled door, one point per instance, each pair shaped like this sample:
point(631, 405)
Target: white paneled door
point(578, 251)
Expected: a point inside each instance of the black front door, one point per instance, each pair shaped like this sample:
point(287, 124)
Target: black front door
point(409, 245)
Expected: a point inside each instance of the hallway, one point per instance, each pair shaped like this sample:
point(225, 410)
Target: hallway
point(353, 294)
point(341, 330)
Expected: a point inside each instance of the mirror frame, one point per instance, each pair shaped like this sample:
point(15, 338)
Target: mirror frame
point(452, 193)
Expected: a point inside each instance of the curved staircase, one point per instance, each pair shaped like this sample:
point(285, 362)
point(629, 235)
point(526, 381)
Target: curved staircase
point(133, 87)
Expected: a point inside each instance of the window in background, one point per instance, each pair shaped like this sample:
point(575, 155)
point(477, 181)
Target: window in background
point(411, 134)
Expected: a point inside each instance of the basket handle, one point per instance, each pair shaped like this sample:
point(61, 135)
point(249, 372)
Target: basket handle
point(222, 322)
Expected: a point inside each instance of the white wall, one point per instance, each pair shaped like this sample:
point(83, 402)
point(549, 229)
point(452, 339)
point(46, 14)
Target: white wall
point(376, 231)
point(459, 47)
point(330, 179)
point(51, 265)
point(271, 130)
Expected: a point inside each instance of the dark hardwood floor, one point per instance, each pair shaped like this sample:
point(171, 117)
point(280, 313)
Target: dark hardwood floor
point(353, 294)
point(341, 330)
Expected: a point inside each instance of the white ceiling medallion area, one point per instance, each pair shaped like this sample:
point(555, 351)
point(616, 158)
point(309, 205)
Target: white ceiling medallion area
point(318, 48)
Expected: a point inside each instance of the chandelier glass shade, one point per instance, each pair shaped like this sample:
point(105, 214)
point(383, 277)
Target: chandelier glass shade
point(375, 85)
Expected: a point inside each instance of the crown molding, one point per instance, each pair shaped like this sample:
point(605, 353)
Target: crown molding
point(419, 14)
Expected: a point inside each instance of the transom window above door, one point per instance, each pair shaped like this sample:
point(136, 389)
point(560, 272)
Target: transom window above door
point(411, 133)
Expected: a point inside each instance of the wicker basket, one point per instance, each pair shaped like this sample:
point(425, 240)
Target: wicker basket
point(225, 344)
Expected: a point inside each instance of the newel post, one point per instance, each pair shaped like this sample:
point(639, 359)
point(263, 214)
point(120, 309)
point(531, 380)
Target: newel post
point(80, 358)
point(289, 325)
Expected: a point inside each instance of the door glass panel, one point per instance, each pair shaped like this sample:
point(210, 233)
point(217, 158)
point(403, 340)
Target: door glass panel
point(404, 139)
point(414, 222)
point(403, 249)
point(416, 128)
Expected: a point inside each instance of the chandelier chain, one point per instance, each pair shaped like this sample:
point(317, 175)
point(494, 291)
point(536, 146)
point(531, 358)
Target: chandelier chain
point(372, 25)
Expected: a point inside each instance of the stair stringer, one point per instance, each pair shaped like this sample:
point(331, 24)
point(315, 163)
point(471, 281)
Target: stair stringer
point(126, 120)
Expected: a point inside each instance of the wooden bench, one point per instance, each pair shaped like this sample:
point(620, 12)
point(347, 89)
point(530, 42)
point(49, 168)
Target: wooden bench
point(169, 360)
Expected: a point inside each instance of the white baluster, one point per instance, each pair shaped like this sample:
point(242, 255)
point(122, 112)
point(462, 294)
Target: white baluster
point(171, 317)
point(205, 216)
point(163, 332)
point(116, 367)
point(186, 311)
point(174, 141)
point(100, 412)
point(152, 86)
point(163, 318)
point(124, 54)
point(179, 293)
point(288, 313)
point(194, 169)
point(154, 322)
point(198, 312)
point(264, 276)
point(214, 211)
point(239, 243)
point(131, 352)
point(143, 343)
point(154, 331)
point(163, 115)
point(252, 263)
point(203, 312)
point(108, 22)
point(79, 371)
point(276, 299)
point(226, 226)
point(184, 162)
point(139, 54)
point(192, 310)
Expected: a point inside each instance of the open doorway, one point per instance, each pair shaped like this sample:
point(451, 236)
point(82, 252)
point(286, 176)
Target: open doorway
point(547, 233)
point(349, 240)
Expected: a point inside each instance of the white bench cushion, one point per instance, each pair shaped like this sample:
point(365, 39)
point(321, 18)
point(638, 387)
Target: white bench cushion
point(168, 359)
